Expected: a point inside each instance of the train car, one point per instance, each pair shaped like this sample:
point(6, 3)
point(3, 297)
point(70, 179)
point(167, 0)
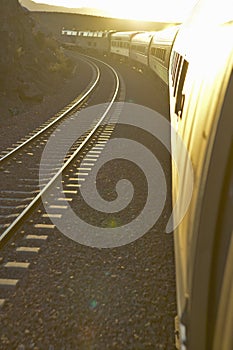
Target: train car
point(89, 41)
point(68, 36)
point(139, 47)
point(94, 41)
point(159, 51)
point(120, 44)
point(201, 109)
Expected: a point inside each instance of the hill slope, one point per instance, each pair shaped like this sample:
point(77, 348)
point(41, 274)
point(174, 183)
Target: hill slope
point(32, 6)
point(31, 64)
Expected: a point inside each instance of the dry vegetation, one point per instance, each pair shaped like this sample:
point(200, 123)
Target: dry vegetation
point(32, 64)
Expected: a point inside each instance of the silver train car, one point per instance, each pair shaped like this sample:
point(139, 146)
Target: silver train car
point(120, 44)
point(201, 109)
point(160, 50)
point(139, 48)
point(145, 49)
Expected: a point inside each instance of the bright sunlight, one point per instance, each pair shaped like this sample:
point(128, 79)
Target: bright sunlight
point(157, 10)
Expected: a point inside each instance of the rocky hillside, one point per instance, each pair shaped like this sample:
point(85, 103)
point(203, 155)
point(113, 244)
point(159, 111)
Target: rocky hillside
point(32, 64)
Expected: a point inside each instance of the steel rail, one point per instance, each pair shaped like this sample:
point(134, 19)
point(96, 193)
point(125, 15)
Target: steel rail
point(81, 99)
point(26, 212)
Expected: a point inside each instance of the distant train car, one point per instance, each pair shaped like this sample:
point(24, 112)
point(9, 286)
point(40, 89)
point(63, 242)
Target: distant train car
point(159, 51)
point(139, 47)
point(88, 41)
point(120, 44)
point(94, 41)
point(69, 36)
point(201, 109)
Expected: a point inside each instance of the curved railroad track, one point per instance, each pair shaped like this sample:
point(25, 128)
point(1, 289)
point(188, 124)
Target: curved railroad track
point(55, 292)
point(54, 120)
point(21, 190)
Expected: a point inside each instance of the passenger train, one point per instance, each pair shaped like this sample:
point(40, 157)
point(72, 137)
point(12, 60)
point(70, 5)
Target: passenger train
point(145, 49)
point(196, 61)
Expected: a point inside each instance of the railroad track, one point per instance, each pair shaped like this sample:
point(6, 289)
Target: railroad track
point(22, 189)
point(10, 152)
point(56, 293)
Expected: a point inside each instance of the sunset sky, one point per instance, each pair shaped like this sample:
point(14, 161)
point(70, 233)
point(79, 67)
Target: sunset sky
point(154, 10)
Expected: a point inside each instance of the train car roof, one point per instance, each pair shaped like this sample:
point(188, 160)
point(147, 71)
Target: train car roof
point(143, 37)
point(125, 35)
point(165, 35)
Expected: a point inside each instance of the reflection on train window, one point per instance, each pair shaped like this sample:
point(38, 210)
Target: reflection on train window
point(177, 73)
point(158, 53)
point(141, 48)
point(180, 97)
point(174, 66)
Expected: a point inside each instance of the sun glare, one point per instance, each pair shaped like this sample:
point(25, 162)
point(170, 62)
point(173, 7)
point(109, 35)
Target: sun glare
point(157, 10)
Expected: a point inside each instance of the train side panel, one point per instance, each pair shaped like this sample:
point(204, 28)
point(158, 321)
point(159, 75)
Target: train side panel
point(139, 47)
point(120, 43)
point(199, 76)
point(159, 51)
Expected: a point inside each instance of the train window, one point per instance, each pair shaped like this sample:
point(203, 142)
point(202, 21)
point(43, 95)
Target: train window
point(174, 66)
point(177, 72)
point(180, 97)
point(140, 48)
point(160, 53)
point(152, 51)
